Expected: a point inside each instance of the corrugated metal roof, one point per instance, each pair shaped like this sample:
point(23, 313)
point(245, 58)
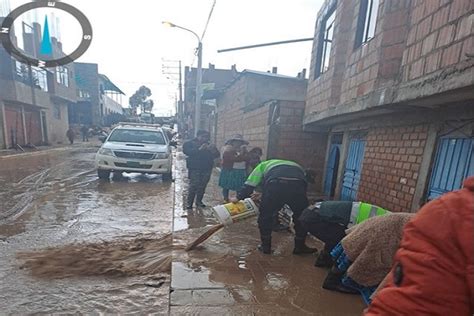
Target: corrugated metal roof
point(109, 85)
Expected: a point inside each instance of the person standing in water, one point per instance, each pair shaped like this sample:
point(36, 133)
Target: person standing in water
point(200, 161)
point(234, 164)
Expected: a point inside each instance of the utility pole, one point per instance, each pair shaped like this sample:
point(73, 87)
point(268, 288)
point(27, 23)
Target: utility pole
point(197, 115)
point(173, 69)
point(180, 104)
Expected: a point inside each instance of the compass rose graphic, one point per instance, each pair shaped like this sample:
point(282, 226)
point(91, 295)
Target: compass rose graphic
point(46, 46)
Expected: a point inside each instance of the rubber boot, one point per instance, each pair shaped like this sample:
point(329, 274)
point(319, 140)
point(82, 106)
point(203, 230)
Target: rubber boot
point(333, 282)
point(199, 203)
point(301, 248)
point(324, 260)
point(266, 245)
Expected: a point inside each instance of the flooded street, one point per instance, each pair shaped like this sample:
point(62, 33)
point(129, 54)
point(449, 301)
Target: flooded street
point(73, 244)
point(55, 199)
point(227, 275)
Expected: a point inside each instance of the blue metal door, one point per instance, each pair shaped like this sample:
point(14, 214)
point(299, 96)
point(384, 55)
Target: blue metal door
point(454, 162)
point(352, 171)
point(331, 170)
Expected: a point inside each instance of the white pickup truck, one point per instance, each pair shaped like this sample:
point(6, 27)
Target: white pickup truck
point(135, 147)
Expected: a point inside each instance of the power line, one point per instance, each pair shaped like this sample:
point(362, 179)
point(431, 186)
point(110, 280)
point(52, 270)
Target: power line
point(266, 44)
point(208, 20)
point(205, 30)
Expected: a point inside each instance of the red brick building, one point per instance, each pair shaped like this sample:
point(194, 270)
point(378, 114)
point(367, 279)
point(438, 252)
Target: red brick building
point(267, 109)
point(392, 82)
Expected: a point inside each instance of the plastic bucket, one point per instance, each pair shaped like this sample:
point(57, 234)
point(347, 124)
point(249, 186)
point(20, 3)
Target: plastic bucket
point(225, 213)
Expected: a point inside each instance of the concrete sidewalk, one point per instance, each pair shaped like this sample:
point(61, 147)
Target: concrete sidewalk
point(228, 276)
point(10, 153)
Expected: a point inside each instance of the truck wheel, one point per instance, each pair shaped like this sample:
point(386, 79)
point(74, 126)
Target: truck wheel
point(103, 174)
point(168, 176)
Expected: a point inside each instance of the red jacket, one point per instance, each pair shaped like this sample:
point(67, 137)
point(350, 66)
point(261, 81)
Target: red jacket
point(433, 271)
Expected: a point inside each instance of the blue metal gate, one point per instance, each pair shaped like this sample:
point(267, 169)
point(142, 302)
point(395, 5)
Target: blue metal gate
point(331, 169)
point(352, 171)
point(454, 162)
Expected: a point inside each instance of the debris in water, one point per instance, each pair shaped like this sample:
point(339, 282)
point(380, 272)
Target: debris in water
point(120, 258)
point(211, 231)
point(226, 216)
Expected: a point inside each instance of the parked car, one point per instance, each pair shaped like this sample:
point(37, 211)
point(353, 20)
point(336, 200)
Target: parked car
point(135, 147)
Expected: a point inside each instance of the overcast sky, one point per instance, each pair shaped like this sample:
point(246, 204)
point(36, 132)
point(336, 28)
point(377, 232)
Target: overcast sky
point(130, 43)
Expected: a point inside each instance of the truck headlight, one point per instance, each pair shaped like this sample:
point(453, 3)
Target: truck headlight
point(161, 155)
point(106, 152)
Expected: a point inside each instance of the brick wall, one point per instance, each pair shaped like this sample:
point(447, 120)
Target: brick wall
point(440, 35)
point(413, 39)
point(376, 63)
point(392, 162)
point(244, 107)
point(308, 149)
point(276, 126)
point(324, 91)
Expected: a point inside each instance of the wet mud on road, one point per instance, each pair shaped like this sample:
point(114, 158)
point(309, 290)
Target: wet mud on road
point(53, 208)
point(55, 200)
point(226, 275)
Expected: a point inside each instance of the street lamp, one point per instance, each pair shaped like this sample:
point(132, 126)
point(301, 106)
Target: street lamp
point(197, 113)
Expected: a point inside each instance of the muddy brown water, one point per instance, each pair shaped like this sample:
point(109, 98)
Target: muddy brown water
point(119, 258)
point(55, 200)
point(226, 275)
point(53, 208)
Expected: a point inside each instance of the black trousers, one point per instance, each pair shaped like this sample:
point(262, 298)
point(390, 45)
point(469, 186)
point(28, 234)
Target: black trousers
point(328, 232)
point(275, 195)
point(198, 180)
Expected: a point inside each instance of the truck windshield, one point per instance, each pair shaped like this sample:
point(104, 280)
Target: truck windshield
point(137, 136)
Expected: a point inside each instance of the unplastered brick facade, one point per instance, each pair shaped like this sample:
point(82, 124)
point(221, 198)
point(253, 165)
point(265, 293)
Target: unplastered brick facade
point(392, 161)
point(397, 95)
point(440, 35)
point(268, 111)
point(417, 44)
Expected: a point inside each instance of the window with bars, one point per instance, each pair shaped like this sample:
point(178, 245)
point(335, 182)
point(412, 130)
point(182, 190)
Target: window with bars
point(84, 94)
point(38, 79)
point(41, 78)
point(367, 21)
point(325, 42)
point(62, 76)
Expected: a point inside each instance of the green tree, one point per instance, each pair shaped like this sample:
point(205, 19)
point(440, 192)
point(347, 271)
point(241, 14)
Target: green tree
point(141, 99)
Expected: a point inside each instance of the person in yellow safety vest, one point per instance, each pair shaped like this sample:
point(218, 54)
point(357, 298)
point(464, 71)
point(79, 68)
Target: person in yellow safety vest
point(282, 182)
point(329, 220)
